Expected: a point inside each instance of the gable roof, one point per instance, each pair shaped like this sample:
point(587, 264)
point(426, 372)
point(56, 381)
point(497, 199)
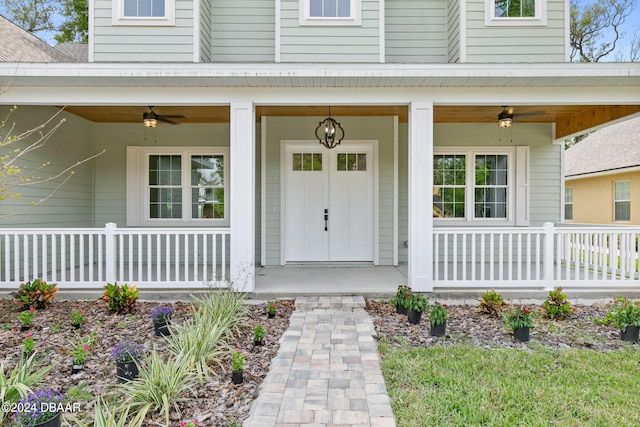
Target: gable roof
point(609, 149)
point(19, 45)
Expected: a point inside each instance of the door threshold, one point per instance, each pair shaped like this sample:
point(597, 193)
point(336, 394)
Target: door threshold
point(321, 264)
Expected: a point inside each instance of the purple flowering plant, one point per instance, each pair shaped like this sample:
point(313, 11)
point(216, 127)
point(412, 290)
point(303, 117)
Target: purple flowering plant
point(162, 313)
point(127, 351)
point(38, 407)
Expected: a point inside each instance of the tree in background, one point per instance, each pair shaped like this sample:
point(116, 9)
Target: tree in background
point(69, 19)
point(76, 27)
point(597, 28)
point(34, 16)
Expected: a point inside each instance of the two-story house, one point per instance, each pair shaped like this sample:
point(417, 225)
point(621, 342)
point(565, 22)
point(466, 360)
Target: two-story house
point(212, 113)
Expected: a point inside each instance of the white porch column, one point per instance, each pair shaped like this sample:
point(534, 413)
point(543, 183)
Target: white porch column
point(242, 198)
point(421, 196)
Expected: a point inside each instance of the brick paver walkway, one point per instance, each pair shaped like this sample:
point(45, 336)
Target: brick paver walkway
point(327, 371)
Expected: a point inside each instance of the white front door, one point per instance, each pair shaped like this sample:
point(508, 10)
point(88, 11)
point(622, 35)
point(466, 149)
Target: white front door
point(329, 203)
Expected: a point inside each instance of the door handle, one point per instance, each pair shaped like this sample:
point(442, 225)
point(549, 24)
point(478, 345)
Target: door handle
point(326, 219)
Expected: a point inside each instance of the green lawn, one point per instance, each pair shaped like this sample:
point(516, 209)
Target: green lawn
point(464, 385)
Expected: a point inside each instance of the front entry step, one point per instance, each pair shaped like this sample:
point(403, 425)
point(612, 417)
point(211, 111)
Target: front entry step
point(330, 302)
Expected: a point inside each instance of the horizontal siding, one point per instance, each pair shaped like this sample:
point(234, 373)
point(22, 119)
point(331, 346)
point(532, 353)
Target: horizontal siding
point(243, 30)
point(72, 204)
point(111, 169)
point(545, 159)
point(515, 43)
point(143, 43)
point(415, 31)
point(330, 43)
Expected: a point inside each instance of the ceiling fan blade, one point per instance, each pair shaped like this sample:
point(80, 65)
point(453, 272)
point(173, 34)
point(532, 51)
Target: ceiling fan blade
point(165, 120)
point(529, 114)
point(167, 116)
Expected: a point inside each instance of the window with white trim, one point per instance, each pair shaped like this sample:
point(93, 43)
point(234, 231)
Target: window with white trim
point(568, 203)
point(480, 184)
point(515, 12)
point(622, 200)
point(143, 12)
point(330, 12)
point(177, 186)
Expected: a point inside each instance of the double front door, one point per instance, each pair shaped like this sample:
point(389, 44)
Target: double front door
point(329, 203)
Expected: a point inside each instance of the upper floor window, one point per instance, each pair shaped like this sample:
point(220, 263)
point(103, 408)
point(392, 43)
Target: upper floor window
point(568, 203)
point(330, 12)
point(143, 12)
point(146, 8)
point(515, 12)
point(622, 200)
point(474, 185)
point(177, 186)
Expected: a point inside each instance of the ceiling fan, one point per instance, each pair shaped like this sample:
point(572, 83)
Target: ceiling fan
point(150, 119)
point(505, 118)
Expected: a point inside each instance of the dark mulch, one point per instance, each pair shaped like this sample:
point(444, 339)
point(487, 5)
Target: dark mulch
point(466, 324)
point(219, 401)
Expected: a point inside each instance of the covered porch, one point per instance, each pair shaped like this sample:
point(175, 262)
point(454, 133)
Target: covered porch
point(249, 114)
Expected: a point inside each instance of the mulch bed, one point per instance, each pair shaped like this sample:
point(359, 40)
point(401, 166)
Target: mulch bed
point(466, 324)
point(221, 403)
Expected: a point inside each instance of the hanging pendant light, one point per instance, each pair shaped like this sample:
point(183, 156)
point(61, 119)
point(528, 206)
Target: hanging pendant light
point(329, 132)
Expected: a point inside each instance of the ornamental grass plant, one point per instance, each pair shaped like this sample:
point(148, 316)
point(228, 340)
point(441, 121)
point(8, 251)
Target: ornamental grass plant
point(162, 383)
point(17, 383)
point(203, 339)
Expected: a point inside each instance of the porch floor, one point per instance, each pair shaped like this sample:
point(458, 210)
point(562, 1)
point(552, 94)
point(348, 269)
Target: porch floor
point(310, 280)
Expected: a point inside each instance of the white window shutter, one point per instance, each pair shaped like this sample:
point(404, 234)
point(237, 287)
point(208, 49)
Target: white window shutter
point(134, 186)
point(522, 186)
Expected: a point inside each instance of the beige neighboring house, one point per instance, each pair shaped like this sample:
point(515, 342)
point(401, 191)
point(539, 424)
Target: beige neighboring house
point(602, 176)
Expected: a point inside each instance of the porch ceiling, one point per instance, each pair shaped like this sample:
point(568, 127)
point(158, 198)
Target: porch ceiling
point(569, 119)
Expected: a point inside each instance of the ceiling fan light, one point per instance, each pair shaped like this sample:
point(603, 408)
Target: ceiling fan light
point(505, 122)
point(150, 122)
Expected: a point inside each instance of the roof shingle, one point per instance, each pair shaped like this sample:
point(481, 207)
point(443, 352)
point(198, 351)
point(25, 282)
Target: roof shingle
point(610, 148)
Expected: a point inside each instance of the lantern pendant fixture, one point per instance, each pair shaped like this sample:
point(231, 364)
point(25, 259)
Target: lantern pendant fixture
point(329, 132)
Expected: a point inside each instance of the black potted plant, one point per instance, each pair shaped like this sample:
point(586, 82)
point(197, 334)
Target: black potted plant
point(161, 316)
point(26, 318)
point(79, 355)
point(127, 355)
point(438, 315)
point(399, 300)
point(237, 367)
point(258, 335)
point(40, 409)
point(271, 310)
point(520, 320)
point(624, 314)
point(416, 304)
point(77, 317)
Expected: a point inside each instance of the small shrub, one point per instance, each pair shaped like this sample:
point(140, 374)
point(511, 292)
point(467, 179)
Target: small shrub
point(399, 300)
point(417, 302)
point(36, 294)
point(120, 299)
point(556, 305)
point(492, 303)
point(26, 316)
point(622, 313)
point(519, 317)
point(438, 314)
point(237, 361)
point(258, 333)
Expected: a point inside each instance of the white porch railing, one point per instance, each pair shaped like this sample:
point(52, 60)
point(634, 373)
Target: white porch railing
point(536, 257)
point(92, 257)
